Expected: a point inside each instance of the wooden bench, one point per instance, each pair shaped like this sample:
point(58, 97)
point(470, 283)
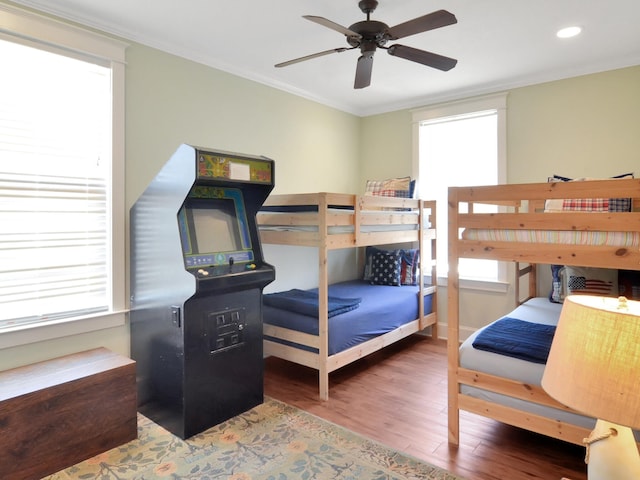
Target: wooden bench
point(59, 412)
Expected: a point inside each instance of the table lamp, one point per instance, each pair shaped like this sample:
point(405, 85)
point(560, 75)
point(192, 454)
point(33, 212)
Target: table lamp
point(594, 368)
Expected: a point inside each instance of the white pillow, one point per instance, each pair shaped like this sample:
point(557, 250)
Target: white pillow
point(589, 281)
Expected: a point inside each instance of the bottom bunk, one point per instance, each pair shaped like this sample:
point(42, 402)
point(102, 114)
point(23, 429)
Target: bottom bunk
point(375, 316)
point(501, 368)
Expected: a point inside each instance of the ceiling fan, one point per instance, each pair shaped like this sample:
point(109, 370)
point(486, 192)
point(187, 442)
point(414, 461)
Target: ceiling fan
point(369, 35)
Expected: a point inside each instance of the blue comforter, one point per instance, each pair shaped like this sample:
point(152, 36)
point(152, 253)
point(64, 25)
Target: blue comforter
point(383, 309)
point(517, 338)
point(307, 303)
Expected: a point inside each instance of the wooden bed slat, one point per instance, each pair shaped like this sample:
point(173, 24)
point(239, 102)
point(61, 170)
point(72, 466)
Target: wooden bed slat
point(512, 388)
point(301, 357)
point(579, 255)
point(608, 222)
point(383, 238)
point(289, 335)
point(297, 199)
point(528, 421)
point(361, 350)
point(629, 188)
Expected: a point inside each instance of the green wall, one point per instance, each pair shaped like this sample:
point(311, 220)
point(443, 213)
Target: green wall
point(385, 146)
point(582, 127)
point(172, 101)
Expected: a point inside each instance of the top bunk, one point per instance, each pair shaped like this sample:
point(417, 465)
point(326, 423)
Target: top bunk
point(593, 223)
point(338, 220)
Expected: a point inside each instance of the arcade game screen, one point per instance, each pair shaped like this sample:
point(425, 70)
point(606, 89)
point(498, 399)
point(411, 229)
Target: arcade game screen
point(213, 229)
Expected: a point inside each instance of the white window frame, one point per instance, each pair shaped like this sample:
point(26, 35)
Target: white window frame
point(19, 25)
point(497, 102)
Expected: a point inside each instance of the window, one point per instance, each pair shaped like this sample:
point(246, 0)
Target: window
point(61, 172)
point(461, 144)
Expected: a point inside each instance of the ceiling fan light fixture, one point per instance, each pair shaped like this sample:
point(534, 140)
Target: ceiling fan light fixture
point(569, 32)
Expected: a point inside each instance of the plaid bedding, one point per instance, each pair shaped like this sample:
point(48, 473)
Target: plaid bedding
point(393, 187)
point(588, 204)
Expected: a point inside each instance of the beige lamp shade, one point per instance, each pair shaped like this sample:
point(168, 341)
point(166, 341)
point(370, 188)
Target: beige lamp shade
point(594, 362)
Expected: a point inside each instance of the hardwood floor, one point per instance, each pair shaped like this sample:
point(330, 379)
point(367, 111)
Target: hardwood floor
point(399, 397)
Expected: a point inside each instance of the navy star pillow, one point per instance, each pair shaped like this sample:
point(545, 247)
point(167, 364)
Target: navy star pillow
point(386, 268)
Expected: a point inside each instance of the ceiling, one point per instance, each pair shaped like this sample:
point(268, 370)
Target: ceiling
point(499, 44)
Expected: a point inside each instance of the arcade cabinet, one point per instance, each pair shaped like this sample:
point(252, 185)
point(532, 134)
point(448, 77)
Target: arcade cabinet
point(197, 276)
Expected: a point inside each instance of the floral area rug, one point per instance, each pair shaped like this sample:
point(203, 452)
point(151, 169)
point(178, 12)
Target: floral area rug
point(273, 441)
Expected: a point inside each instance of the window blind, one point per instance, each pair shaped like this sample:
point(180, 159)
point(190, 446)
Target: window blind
point(54, 207)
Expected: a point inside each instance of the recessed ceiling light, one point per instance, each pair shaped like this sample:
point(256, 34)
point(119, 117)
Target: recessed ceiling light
point(569, 32)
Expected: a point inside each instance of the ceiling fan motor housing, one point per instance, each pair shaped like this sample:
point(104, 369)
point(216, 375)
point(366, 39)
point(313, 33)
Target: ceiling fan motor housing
point(370, 31)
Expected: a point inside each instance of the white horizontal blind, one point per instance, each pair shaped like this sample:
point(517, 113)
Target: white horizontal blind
point(55, 153)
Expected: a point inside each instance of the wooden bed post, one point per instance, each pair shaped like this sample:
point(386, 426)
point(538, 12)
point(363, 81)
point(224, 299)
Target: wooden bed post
point(421, 271)
point(533, 280)
point(323, 299)
point(431, 261)
point(434, 267)
point(453, 307)
point(532, 284)
point(530, 270)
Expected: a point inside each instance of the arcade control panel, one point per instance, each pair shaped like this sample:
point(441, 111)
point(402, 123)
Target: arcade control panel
point(218, 270)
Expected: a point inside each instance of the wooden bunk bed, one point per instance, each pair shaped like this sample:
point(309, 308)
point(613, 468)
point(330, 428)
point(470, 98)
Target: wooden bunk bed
point(329, 221)
point(522, 215)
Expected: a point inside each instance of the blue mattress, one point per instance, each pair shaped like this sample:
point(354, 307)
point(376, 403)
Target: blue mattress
point(383, 309)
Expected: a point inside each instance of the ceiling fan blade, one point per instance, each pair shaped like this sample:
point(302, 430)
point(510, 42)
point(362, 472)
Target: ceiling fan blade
point(430, 21)
point(332, 25)
point(421, 56)
point(363, 70)
point(313, 55)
